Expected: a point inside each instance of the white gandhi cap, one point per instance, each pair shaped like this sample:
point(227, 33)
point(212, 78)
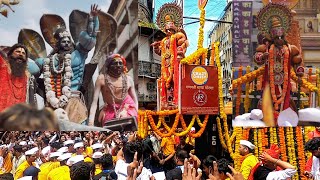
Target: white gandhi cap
point(247, 143)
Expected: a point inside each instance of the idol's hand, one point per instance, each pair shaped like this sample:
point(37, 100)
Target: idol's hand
point(94, 10)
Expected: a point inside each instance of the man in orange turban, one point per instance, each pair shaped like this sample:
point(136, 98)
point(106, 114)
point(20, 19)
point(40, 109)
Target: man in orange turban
point(270, 162)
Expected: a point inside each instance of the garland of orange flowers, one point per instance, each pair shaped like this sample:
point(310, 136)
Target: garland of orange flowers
point(183, 133)
point(300, 149)
point(199, 133)
point(248, 77)
point(247, 100)
point(260, 140)
point(238, 101)
point(277, 101)
point(167, 78)
point(172, 130)
point(245, 135)
point(304, 82)
point(139, 125)
point(282, 143)
point(194, 56)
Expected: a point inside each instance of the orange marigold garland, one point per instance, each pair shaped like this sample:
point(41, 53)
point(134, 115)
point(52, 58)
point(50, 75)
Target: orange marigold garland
point(239, 90)
point(282, 143)
point(277, 101)
point(247, 100)
point(300, 149)
point(199, 133)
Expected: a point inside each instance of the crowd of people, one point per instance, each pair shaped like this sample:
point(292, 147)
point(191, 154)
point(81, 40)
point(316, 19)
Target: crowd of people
point(95, 155)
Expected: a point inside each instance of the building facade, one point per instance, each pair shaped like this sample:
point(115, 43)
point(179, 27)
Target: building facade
point(149, 63)
point(308, 15)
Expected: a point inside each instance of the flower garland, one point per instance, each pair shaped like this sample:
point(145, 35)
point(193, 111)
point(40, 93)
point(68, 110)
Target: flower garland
point(255, 142)
point(221, 137)
point(186, 130)
point(194, 56)
point(198, 120)
point(172, 130)
point(161, 118)
point(221, 104)
point(53, 91)
point(248, 77)
point(164, 55)
point(236, 155)
point(291, 149)
point(304, 82)
point(277, 101)
point(211, 63)
point(282, 143)
point(199, 133)
point(247, 100)
point(260, 141)
point(300, 149)
point(202, 21)
point(239, 90)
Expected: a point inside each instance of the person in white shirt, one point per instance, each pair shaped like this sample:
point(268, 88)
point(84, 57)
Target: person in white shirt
point(313, 146)
point(18, 158)
point(126, 157)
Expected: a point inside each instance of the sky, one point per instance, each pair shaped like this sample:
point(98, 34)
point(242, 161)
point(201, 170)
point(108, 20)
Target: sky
point(28, 13)
point(214, 9)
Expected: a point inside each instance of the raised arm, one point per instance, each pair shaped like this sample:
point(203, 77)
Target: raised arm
point(97, 90)
point(87, 39)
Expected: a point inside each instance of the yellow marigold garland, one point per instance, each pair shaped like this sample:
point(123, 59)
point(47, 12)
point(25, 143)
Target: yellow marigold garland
point(236, 155)
point(247, 100)
point(255, 142)
point(248, 77)
point(202, 21)
point(185, 131)
point(172, 130)
point(239, 91)
point(304, 83)
point(199, 133)
point(194, 56)
point(221, 137)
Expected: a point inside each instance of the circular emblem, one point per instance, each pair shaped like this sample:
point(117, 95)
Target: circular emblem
point(199, 75)
point(278, 67)
point(278, 78)
point(200, 98)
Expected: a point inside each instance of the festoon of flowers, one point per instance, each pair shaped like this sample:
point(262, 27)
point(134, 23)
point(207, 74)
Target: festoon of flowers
point(53, 91)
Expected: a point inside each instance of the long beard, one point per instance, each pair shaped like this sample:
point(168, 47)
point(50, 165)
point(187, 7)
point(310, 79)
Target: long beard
point(17, 68)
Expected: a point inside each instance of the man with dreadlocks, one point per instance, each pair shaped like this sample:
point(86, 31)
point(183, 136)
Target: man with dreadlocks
point(63, 69)
point(117, 90)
